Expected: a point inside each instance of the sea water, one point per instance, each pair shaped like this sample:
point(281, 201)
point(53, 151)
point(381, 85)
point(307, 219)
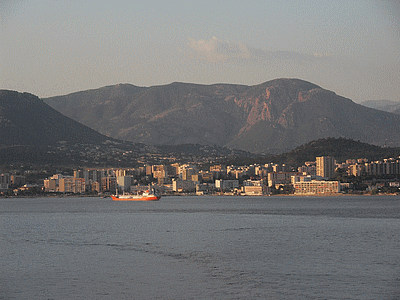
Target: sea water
point(201, 248)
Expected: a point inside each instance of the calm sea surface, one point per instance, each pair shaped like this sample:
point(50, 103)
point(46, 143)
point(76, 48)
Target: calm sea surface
point(201, 248)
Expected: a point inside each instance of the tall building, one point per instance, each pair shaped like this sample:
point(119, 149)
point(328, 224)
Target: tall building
point(72, 185)
point(50, 185)
point(5, 181)
point(124, 183)
point(326, 166)
point(108, 184)
point(78, 174)
point(188, 172)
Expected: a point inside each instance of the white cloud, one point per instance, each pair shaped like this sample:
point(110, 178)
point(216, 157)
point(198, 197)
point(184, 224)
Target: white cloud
point(215, 50)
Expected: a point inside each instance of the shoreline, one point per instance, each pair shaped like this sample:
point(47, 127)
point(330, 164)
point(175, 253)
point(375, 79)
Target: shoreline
point(207, 195)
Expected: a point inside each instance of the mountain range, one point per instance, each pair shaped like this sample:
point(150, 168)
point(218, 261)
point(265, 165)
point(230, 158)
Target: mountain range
point(31, 132)
point(385, 105)
point(271, 117)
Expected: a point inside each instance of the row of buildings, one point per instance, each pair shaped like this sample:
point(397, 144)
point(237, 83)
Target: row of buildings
point(313, 177)
point(186, 178)
point(362, 166)
point(7, 180)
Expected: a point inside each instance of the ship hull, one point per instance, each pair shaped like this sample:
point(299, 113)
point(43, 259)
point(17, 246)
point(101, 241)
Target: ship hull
point(134, 198)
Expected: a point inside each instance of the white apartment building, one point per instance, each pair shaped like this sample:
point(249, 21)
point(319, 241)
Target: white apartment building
point(316, 187)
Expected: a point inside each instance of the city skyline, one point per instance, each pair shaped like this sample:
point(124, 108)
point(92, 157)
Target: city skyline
point(52, 48)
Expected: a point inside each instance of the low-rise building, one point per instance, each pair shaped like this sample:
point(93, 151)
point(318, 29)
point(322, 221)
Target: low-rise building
point(276, 179)
point(183, 185)
point(205, 188)
point(226, 184)
point(17, 180)
point(255, 190)
point(316, 187)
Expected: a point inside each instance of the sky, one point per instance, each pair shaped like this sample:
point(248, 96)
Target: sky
point(51, 48)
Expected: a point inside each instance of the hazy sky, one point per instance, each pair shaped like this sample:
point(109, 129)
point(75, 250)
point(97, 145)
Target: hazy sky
point(57, 47)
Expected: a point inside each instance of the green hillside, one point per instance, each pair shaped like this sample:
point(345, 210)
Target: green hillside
point(340, 148)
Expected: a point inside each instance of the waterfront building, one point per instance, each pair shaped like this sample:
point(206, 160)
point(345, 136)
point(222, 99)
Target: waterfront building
point(255, 190)
point(179, 185)
point(50, 185)
point(17, 180)
point(316, 187)
point(276, 179)
point(204, 188)
point(71, 185)
point(226, 184)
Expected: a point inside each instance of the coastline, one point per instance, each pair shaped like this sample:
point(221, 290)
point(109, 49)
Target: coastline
point(204, 195)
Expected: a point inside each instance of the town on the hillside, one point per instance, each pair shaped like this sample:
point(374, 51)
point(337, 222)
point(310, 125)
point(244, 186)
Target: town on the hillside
point(324, 176)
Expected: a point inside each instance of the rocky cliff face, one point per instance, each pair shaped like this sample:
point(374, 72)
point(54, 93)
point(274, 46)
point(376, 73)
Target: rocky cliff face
point(271, 117)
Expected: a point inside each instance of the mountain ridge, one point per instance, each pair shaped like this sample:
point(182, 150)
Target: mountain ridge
point(27, 120)
point(384, 105)
point(270, 117)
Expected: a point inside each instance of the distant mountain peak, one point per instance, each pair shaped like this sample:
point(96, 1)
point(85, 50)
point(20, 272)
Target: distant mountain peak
point(384, 105)
point(27, 120)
